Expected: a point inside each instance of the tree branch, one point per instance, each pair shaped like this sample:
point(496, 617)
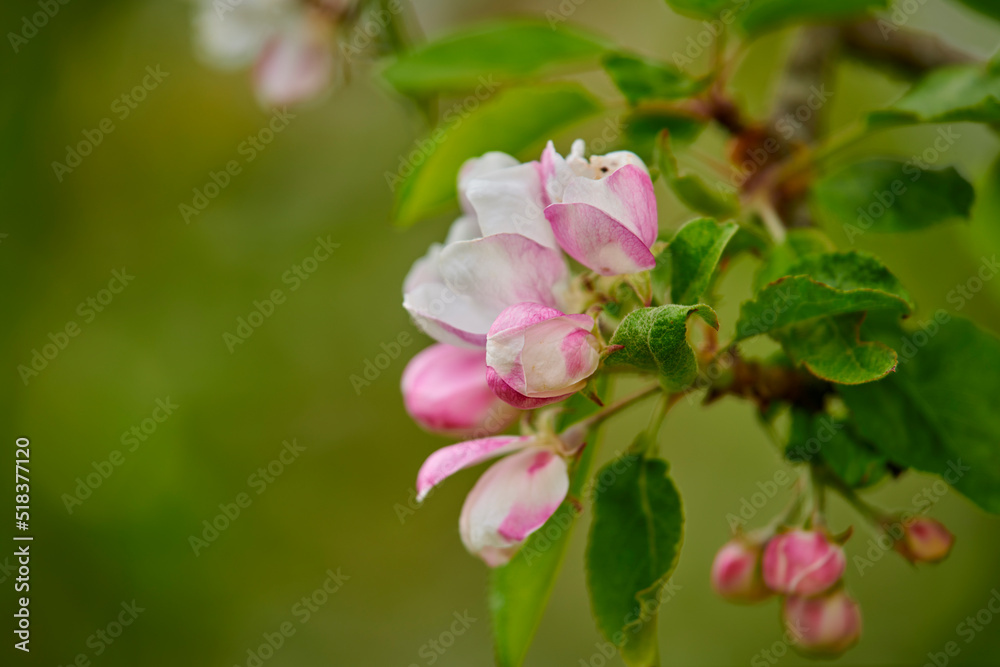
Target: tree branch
point(908, 52)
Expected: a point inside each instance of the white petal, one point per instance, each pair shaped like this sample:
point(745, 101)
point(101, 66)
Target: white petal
point(510, 201)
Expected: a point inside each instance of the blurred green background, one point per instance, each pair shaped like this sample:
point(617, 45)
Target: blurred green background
point(336, 506)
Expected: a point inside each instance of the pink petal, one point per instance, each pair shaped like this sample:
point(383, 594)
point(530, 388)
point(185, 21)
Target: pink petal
point(445, 391)
point(511, 396)
point(512, 499)
point(598, 241)
point(446, 461)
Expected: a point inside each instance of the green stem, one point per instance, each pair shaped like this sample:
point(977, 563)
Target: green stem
point(647, 443)
point(617, 407)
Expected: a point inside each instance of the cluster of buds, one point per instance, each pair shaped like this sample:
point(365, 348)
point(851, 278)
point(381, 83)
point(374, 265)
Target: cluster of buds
point(806, 568)
point(496, 296)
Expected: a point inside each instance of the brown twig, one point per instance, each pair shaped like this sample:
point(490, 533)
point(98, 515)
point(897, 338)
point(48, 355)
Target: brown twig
point(908, 52)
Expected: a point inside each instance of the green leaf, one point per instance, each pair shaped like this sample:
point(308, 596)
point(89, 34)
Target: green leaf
point(798, 243)
point(822, 286)
point(985, 7)
point(764, 15)
point(655, 339)
point(659, 277)
point(634, 544)
point(519, 591)
point(690, 188)
point(831, 349)
point(821, 439)
point(747, 240)
point(516, 120)
point(491, 54)
point(694, 253)
point(639, 79)
point(946, 95)
point(892, 196)
point(642, 126)
point(938, 412)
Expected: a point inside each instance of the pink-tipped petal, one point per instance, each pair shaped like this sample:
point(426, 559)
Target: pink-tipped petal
point(535, 355)
point(512, 499)
point(595, 239)
point(511, 396)
point(445, 391)
point(802, 562)
point(446, 461)
point(823, 626)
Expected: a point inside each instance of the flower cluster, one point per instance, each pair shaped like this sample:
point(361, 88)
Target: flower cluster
point(290, 43)
point(496, 296)
point(806, 568)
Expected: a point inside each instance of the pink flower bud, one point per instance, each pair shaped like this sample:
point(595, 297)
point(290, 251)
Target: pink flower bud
point(536, 355)
point(827, 625)
point(802, 563)
point(445, 391)
point(736, 572)
point(924, 540)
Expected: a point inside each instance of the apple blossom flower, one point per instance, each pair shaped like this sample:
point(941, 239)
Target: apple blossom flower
point(536, 355)
point(498, 253)
point(513, 498)
point(445, 391)
point(296, 64)
point(736, 571)
point(802, 563)
point(826, 625)
point(289, 42)
point(602, 211)
point(924, 540)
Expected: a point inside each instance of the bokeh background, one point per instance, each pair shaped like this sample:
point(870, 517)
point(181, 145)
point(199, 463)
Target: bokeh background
point(337, 506)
